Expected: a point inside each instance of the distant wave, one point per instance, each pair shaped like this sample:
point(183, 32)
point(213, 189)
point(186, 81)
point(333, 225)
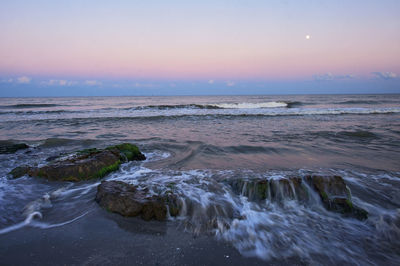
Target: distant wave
point(178, 106)
point(243, 105)
point(251, 105)
point(360, 102)
point(226, 114)
point(37, 112)
point(358, 134)
point(28, 105)
point(294, 104)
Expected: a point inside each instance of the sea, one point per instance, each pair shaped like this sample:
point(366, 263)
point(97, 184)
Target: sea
point(196, 143)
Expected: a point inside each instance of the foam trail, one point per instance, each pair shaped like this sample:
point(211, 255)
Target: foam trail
point(250, 105)
point(47, 226)
point(26, 222)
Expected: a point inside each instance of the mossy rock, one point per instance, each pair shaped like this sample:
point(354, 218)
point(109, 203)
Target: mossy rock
point(88, 151)
point(19, 171)
point(128, 152)
point(88, 164)
point(336, 196)
point(84, 167)
point(332, 190)
point(7, 146)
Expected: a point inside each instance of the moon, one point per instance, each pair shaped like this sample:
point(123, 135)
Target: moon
point(308, 37)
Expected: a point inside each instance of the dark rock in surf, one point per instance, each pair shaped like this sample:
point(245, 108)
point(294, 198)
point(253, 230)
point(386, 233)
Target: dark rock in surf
point(88, 164)
point(273, 189)
point(336, 196)
point(7, 146)
point(127, 200)
point(332, 190)
point(83, 167)
point(19, 171)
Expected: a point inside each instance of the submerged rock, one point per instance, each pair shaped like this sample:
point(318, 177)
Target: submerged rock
point(336, 196)
point(87, 164)
point(19, 171)
point(332, 190)
point(7, 146)
point(273, 189)
point(127, 200)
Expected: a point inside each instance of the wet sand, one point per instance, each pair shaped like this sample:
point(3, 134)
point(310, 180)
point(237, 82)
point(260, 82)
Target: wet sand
point(102, 238)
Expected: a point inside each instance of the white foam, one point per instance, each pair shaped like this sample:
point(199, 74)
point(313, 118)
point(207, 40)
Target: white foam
point(250, 105)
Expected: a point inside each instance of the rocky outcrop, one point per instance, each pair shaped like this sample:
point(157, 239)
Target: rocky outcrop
point(85, 165)
point(127, 200)
point(336, 196)
point(273, 189)
point(11, 147)
point(332, 190)
point(19, 171)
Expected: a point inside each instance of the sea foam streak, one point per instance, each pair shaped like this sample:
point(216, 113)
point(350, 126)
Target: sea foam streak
point(251, 105)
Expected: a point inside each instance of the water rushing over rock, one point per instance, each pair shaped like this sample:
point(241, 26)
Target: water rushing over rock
point(332, 191)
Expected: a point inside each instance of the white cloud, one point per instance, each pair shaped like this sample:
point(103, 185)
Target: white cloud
point(24, 80)
point(230, 83)
point(324, 77)
point(329, 76)
point(143, 85)
point(384, 75)
point(348, 76)
point(211, 81)
point(59, 82)
point(7, 81)
point(93, 83)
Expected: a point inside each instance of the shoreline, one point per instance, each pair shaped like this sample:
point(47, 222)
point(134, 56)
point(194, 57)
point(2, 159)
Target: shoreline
point(101, 238)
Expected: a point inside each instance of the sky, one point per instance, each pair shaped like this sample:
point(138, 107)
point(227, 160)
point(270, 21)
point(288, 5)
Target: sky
point(177, 47)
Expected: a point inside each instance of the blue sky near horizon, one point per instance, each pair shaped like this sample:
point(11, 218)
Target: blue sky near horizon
point(62, 48)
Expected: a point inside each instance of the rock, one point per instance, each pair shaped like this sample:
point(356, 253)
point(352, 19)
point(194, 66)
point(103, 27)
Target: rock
point(336, 196)
point(19, 171)
point(128, 152)
point(11, 147)
point(127, 200)
point(83, 167)
point(273, 190)
point(332, 190)
point(88, 164)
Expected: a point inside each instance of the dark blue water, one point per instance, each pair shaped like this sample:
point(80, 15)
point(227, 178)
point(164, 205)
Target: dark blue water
point(195, 142)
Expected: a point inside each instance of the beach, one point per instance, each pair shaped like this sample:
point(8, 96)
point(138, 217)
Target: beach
point(200, 148)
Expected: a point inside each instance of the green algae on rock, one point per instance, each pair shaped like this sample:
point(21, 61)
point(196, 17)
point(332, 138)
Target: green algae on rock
point(336, 196)
point(19, 171)
point(128, 152)
point(86, 164)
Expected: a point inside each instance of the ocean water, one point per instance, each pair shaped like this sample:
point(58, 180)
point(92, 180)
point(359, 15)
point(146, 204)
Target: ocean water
point(197, 142)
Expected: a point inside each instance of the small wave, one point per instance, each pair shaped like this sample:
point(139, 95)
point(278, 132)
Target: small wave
point(251, 105)
point(37, 112)
point(219, 106)
point(358, 134)
point(294, 104)
point(29, 105)
point(359, 102)
point(179, 106)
